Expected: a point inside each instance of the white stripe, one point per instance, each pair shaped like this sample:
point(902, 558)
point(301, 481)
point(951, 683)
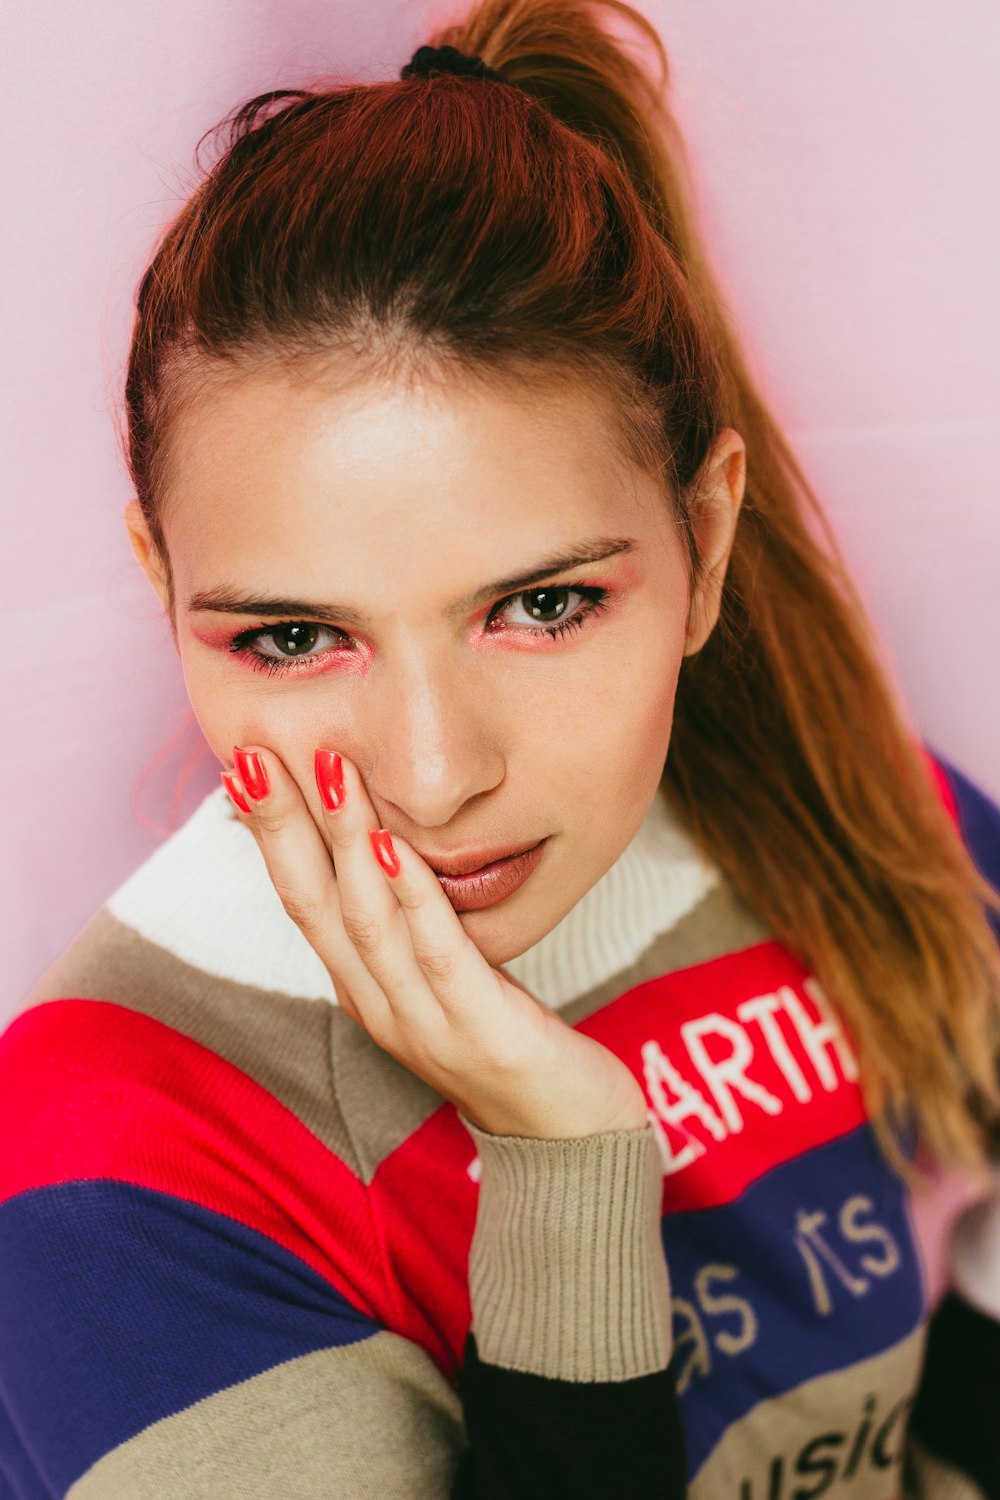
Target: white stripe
point(205, 895)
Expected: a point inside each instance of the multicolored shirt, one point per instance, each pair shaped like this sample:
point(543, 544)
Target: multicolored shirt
point(244, 1253)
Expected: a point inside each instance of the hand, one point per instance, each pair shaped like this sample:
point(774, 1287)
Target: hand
point(404, 968)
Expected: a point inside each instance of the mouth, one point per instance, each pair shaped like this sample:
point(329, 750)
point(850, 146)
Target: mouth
point(475, 860)
point(494, 882)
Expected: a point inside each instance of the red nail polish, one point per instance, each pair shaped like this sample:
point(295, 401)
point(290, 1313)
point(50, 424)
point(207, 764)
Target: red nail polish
point(232, 787)
point(252, 773)
point(381, 841)
point(330, 778)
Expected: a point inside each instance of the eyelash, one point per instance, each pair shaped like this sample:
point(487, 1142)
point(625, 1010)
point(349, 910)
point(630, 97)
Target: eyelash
point(241, 645)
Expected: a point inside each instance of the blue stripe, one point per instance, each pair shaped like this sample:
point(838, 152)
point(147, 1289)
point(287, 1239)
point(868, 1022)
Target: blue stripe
point(120, 1305)
point(807, 1304)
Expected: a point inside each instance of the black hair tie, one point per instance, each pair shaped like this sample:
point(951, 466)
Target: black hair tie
point(427, 60)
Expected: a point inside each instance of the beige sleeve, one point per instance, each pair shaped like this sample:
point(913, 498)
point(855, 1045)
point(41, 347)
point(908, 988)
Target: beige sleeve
point(567, 1275)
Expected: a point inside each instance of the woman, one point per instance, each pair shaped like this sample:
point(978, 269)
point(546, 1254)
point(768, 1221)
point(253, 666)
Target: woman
point(519, 1081)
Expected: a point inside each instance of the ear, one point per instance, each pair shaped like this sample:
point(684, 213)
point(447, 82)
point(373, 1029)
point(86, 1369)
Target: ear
point(714, 519)
point(145, 551)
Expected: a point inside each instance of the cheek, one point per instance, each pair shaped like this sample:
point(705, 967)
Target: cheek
point(611, 736)
point(633, 729)
point(227, 709)
point(646, 726)
point(232, 711)
point(221, 729)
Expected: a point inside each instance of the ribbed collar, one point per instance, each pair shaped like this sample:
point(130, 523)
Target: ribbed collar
point(206, 896)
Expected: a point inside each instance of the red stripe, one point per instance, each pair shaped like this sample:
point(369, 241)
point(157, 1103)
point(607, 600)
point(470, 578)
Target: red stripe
point(91, 1089)
point(747, 1141)
point(427, 1199)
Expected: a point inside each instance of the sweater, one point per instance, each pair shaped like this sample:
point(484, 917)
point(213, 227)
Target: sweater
point(247, 1255)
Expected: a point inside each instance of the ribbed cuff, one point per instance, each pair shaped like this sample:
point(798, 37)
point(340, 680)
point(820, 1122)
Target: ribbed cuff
point(567, 1276)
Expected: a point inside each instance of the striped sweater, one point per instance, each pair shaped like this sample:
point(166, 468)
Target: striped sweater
point(246, 1255)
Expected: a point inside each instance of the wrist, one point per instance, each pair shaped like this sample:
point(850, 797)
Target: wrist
point(567, 1275)
point(554, 1130)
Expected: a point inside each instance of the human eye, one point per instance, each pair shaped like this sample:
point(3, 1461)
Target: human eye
point(298, 635)
point(594, 600)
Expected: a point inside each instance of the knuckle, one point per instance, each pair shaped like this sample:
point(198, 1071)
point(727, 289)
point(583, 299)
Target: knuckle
point(270, 819)
point(303, 909)
point(339, 834)
point(362, 929)
point(346, 1002)
point(437, 962)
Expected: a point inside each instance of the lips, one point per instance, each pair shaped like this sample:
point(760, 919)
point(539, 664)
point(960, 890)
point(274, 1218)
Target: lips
point(475, 859)
point(494, 882)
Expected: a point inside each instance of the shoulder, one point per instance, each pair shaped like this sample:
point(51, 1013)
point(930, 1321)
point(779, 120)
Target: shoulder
point(976, 815)
point(975, 812)
point(154, 1075)
point(191, 996)
point(106, 1099)
point(162, 1009)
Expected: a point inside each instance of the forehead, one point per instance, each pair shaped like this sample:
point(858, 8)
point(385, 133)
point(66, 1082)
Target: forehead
point(310, 471)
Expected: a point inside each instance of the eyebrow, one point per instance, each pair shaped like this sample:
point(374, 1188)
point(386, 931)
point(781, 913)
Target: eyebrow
point(232, 601)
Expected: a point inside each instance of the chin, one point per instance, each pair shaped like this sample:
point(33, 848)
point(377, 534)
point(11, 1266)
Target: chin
point(501, 936)
point(498, 946)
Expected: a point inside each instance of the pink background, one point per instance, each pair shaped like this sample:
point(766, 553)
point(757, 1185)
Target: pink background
point(846, 161)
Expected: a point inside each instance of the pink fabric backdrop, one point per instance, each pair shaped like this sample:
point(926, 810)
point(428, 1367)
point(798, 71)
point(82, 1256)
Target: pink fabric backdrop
point(845, 155)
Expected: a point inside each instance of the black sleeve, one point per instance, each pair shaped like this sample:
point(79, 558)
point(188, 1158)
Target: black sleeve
point(539, 1439)
point(957, 1410)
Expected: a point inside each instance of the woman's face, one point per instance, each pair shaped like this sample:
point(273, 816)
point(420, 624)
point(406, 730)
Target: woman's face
point(377, 521)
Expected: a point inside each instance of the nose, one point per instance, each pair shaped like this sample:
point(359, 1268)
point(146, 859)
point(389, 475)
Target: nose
point(433, 741)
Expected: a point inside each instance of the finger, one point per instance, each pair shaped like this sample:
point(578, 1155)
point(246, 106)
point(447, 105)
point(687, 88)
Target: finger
point(299, 865)
point(296, 860)
point(454, 969)
point(370, 911)
point(237, 795)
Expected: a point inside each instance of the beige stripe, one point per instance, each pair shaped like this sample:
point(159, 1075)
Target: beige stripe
point(373, 1421)
point(383, 1102)
point(567, 1276)
point(815, 1428)
point(308, 1054)
point(280, 1041)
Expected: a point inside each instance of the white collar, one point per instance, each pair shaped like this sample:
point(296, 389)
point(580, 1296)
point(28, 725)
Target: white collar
point(205, 895)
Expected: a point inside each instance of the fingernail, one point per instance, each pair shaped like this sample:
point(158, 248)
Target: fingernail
point(381, 841)
point(330, 778)
point(252, 773)
point(230, 784)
